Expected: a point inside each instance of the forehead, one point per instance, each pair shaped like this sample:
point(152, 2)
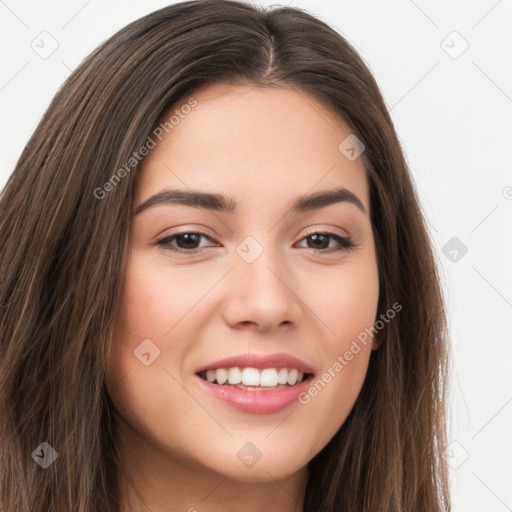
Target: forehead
point(246, 141)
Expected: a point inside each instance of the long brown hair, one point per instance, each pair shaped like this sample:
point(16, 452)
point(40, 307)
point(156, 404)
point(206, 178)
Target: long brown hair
point(65, 237)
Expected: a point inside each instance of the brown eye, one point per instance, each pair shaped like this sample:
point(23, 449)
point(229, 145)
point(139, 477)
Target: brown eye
point(186, 242)
point(320, 241)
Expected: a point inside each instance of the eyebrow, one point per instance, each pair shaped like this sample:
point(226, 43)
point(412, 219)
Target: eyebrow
point(220, 203)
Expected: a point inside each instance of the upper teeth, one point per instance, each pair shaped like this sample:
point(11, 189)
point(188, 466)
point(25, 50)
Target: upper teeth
point(253, 377)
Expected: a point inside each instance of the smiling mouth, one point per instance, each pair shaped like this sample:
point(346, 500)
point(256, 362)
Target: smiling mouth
point(252, 379)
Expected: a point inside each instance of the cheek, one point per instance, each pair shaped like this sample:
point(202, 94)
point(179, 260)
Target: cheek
point(151, 306)
point(156, 298)
point(145, 300)
point(157, 303)
point(348, 310)
point(353, 314)
point(353, 307)
point(143, 314)
point(346, 366)
point(346, 302)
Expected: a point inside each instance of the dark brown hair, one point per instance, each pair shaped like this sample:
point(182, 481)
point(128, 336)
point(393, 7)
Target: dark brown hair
point(63, 253)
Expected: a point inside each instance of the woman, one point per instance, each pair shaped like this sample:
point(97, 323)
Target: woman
point(297, 360)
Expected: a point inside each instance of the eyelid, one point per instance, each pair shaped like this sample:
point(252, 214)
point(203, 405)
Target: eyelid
point(330, 230)
point(188, 229)
point(199, 229)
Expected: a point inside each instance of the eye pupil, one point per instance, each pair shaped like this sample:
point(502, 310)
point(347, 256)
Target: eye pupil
point(317, 237)
point(189, 238)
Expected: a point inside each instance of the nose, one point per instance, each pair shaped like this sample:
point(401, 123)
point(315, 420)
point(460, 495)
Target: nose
point(262, 294)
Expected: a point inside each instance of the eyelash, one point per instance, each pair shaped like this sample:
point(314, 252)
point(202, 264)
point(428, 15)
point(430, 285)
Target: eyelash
point(345, 243)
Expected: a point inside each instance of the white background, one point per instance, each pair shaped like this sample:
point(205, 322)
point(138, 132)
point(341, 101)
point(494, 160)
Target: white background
point(453, 116)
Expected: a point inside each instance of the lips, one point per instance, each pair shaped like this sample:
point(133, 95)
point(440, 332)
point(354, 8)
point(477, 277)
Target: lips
point(255, 402)
point(271, 395)
point(278, 360)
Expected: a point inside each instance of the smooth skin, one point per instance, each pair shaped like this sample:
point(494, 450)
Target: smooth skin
point(263, 148)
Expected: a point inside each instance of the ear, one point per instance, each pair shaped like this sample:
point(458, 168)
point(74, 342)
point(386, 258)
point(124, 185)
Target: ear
point(376, 343)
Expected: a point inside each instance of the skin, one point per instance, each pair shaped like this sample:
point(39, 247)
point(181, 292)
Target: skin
point(263, 148)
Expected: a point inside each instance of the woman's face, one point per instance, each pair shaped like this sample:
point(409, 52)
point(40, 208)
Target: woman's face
point(261, 285)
